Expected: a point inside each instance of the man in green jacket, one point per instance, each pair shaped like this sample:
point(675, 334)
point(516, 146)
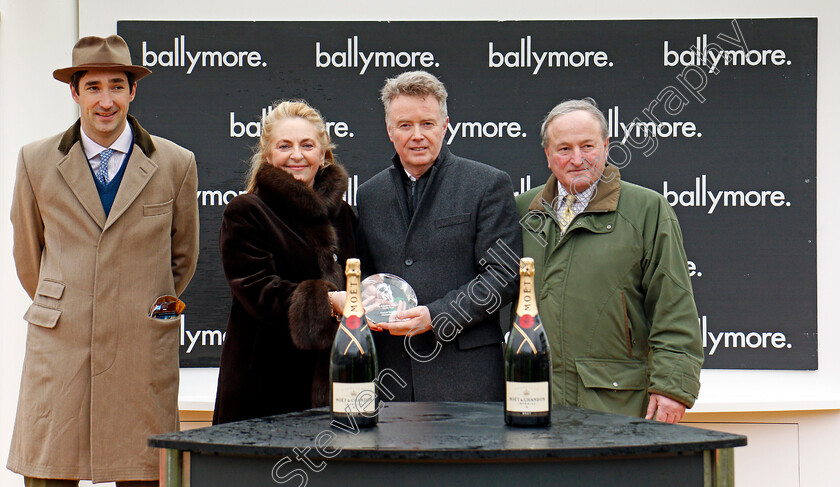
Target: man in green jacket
point(611, 278)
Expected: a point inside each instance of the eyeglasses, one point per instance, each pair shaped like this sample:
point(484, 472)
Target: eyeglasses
point(166, 307)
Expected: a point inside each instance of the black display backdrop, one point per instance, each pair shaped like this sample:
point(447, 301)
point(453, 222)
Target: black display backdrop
point(718, 115)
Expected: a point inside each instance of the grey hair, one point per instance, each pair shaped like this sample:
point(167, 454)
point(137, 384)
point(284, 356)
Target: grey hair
point(587, 105)
point(414, 83)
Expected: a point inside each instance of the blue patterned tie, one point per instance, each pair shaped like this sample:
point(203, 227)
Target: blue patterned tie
point(102, 172)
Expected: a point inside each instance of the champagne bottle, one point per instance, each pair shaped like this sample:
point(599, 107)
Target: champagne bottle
point(354, 402)
point(527, 359)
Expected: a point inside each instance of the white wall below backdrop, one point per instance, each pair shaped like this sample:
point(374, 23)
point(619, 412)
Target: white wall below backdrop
point(792, 418)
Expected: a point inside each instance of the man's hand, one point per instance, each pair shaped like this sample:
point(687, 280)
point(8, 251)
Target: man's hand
point(417, 319)
point(665, 409)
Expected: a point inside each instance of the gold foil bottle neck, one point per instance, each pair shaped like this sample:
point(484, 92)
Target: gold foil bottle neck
point(353, 306)
point(354, 268)
point(527, 297)
point(526, 267)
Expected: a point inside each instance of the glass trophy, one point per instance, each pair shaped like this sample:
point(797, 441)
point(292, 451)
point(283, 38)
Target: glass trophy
point(384, 295)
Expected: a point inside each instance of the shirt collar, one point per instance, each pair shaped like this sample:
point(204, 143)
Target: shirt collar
point(122, 144)
point(398, 164)
point(583, 198)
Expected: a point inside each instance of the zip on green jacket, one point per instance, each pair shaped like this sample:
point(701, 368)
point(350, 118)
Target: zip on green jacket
point(615, 297)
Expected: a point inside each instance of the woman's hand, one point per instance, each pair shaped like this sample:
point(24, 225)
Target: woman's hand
point(337, 300)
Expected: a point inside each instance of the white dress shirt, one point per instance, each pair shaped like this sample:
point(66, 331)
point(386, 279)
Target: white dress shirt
point(121, 147)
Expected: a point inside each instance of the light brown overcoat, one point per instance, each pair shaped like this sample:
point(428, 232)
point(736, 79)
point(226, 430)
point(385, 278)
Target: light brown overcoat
point(99, 375)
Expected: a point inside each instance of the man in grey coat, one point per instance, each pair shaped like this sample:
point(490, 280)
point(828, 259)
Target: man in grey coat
point(449, 227)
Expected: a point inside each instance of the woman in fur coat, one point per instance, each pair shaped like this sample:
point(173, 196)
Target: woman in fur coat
point(284, 245)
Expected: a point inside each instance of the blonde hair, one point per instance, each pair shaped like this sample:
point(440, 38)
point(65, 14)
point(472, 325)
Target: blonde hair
point(280, 111)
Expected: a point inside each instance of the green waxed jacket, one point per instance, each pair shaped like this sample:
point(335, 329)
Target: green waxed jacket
point(615, 297)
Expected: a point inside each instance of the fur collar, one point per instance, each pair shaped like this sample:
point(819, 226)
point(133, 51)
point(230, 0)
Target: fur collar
point(282, 188)
point(287, 196)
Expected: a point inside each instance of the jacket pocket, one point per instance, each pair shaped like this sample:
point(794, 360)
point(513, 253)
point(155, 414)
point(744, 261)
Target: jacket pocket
point(628, 331)
point(617, 386)
point(44, 310)
point(158, 208)
point(41, 315)
point(50, 288)
point(452, 220)
point(481, 335)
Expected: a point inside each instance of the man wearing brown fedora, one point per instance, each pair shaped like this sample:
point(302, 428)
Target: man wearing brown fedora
point(105, 222)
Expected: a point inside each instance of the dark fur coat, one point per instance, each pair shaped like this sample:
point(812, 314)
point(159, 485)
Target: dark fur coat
point(283, 248)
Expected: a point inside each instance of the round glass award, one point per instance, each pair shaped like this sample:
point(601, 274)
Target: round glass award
point(383, 295)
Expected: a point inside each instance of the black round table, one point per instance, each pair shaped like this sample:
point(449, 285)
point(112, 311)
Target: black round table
point(459, 444)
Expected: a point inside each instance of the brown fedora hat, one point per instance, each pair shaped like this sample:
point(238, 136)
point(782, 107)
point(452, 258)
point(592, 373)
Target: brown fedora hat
point(97, 53)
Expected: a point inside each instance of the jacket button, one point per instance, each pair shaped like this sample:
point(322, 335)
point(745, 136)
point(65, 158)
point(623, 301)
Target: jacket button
point(609, 227)
point(615, 384)
point(409, 261)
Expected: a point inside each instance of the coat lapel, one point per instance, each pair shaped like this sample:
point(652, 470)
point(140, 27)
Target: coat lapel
point(431, 187)
point(75, 170)
point(399, 191)
point(137, 174)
